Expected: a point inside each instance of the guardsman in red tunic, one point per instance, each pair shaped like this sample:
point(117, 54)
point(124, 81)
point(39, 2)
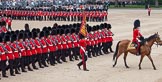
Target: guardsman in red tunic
point(44, 48)
point(65, 46)
point(75, 44)
point(137, 35)
point(3, 58)
point(69, 43)
point(110, 39)
point(15, 53)
point(52, 46)
point(59, 44)
point(100, 40)
point(22, 51)
point(83, 52)
point(89, 42)
point(38, 49)
point(33, 50)
point(9, 21)
point(9, 54)
point(28, 52)
point(96, 40)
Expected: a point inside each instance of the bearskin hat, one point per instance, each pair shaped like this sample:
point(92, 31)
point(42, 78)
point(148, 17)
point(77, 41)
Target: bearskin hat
point(34, 34)
point(97, 27)
point(67, 31)
point(8, 33)
point(101, 26)
point(34, 30)
point(25, 35)
point(44, 28)
point(136, 23)
point(17, 32)
point(12, 32)
point(88, 28)
point(22, 31)
point(81, 36)
point(61, 31)
point(105, 25)
point(54, 32)
point(6, 38)
point(74, 25)
point(26, 27)
point(21, 35)
point(49, 28)
point(30, 35)
point(13, 37)
point(47, 33)
point(38, 30)
point(42, 34)
point(72, 30)
point(108, 26)
point(55, 25)
point(58, 31)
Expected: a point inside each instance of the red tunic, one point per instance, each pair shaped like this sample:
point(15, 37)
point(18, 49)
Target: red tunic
point(28, 50)
point(69, 43)
point(2, 55)
point(82, 46)
point(23, 52)
point(45, 48)
point(64, 44)
point(38, 47)
point(15, 50)
point(33, 50)
point(136, 35)
point(51, 47)
point(9, 54)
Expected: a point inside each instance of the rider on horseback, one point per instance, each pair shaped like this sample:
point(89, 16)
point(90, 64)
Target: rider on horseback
point(137, 36)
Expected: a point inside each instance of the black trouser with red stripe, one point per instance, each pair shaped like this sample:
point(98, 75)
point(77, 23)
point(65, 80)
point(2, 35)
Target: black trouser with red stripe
point(52, 57)
point(11, 66)
point(3, 67)
point(16, 64)
point(84, 64)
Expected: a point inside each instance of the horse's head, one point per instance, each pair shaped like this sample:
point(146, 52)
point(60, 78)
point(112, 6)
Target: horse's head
point(157, 38)
point(153, 38)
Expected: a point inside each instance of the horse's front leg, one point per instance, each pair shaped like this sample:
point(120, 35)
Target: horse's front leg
point(142, 56)
point(149, 56)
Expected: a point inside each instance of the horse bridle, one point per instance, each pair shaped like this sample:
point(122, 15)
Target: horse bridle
point(157, 40)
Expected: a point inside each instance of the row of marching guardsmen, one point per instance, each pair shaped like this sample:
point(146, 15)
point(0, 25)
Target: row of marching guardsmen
point(19, 50)
point(92, 16)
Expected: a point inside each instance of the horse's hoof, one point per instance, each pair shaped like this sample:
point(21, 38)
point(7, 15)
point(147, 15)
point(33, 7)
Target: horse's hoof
point(127, 66)
point(139, 68)
point(113, 65)
point(155, 69)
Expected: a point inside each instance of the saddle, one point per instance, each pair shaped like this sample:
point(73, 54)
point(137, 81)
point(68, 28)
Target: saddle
point(132, 46)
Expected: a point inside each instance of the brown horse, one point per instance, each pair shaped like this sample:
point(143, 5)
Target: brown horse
point(122, 47)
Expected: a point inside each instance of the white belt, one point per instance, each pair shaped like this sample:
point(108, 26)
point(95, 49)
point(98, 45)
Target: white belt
point(3, 53)
point(38, 46)
point(64, 42)
point(33, 47)
point(44, 46)
point(50, 45)
point(22, 49)
point(75, 41)
point(69, 41)
point(15, 51)
point(10, 52)
point(59, 43)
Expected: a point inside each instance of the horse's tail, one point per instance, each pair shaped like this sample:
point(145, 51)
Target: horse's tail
point(116, 51)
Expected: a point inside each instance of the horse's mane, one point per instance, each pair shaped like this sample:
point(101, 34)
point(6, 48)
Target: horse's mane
point(151, 37)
